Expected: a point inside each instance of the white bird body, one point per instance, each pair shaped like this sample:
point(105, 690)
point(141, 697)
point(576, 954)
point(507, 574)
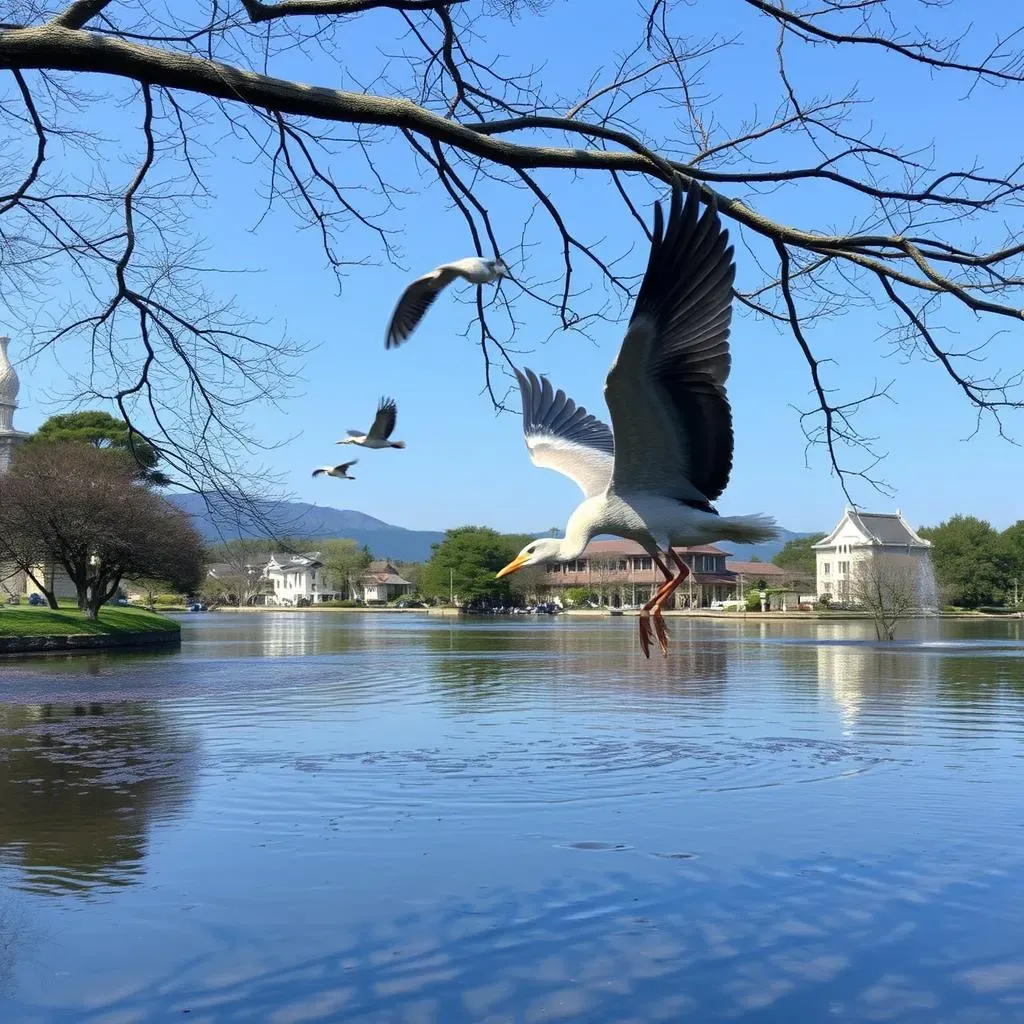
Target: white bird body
point(341, 472)
point(379, 435)
point(365, 441)
point(653, 479)
point(420, 295)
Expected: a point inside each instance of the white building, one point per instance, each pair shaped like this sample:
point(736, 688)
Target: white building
point(382, 582)
point(298, 579)
point(864, 535)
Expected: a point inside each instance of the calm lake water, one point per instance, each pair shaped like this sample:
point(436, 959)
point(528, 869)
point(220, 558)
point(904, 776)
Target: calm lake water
point(375, 818)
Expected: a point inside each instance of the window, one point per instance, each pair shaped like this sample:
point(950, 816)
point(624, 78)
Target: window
point(643, 564)
point(578, 565)
point(622, 565)
point(554, 567)
point(826, 568)
point(844, 567)
point(707, 563)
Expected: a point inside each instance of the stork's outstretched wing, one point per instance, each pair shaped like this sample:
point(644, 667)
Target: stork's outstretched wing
point(563, 436)
point(666, 388)
point(384, 421)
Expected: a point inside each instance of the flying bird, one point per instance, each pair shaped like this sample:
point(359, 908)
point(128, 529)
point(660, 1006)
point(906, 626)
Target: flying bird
point(420, 295)
point(652, 476)
point(382, 429)
point(341, 472)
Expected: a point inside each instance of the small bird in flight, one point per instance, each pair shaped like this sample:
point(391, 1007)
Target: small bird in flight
point(383, 426)
point(341, 472)
point(420, 295)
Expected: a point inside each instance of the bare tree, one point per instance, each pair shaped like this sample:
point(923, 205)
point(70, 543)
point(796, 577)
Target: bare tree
point(86, 509)
point(886, 585)
point(335, 110)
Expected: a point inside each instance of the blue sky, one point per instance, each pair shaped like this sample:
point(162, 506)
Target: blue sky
point(466, 464)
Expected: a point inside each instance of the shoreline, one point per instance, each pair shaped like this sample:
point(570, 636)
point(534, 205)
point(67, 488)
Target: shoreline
point(67, 630)
point(57, 643)
point(598, 613)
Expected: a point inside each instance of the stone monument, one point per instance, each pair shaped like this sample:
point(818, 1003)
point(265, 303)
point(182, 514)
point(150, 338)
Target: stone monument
point(9, 385)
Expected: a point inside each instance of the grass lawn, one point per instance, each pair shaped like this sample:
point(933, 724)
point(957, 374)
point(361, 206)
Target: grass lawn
point(21, 620)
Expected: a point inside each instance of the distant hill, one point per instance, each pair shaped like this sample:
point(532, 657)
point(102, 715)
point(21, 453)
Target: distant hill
point(300, 519)
point(766, 551)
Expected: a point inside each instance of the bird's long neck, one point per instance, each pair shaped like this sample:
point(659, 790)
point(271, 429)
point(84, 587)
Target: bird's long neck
point(578, 532)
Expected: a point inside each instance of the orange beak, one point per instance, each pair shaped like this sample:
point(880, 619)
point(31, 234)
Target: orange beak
point(514, 566)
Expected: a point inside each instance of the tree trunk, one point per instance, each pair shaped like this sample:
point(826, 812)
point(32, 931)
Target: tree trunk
point(51, 599)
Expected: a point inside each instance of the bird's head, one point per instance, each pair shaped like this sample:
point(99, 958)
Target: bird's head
point(544, 549)
point(499, 267)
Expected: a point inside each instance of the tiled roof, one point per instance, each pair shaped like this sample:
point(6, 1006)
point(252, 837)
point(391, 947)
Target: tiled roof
point(630, 547)
point(764, 569)
point(384, 579)
point(877, 528)
point(886, 528)
point(296, 563)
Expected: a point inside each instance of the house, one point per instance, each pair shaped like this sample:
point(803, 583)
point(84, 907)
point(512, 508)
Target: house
point(381, 583)
point(297, 579)
point(621, 572)
point(865, 535)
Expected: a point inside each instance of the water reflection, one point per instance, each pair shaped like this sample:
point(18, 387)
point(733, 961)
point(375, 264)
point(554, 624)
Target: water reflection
point(803, 941)
point(403, 818)
point(485, 663)
point(854, 673)
point(80, 786)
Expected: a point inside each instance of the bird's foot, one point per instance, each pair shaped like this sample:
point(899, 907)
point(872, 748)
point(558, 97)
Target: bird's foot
point(645, 633)
point(661, 631)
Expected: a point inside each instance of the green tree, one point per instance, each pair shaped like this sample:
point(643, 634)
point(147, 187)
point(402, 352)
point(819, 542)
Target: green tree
point(88, 510)
point(797, 555)
point(578, 597)
point(465, 562)
point(971, 561)
point(1013, 544)
point(343, 561)
point(102, 430)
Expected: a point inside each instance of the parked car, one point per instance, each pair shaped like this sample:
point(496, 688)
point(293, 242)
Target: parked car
point(409, 604)
point(37, 600)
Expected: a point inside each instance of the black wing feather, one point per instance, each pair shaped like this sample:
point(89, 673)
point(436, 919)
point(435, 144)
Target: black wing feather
point(546, 411)
point(407, 317)
point(384, 421)
point(687, 292)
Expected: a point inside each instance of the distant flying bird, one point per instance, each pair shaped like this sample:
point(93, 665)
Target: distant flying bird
point(341, 472)
point(653, 480)
point(420, 295)
point(383, 426)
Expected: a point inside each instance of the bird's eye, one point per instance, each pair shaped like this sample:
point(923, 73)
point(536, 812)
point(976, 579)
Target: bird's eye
point(529, 550)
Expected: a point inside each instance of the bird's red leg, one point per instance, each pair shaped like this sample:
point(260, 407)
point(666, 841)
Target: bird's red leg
point(645, 611)
point(663, 594)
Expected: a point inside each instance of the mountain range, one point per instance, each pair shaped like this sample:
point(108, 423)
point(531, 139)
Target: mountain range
point(315, 522)
point(319, 522)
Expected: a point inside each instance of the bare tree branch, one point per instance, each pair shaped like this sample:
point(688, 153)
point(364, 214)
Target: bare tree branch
point(445, 114)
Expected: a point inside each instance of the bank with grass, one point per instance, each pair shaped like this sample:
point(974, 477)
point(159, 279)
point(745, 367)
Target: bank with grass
point(25, 630)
